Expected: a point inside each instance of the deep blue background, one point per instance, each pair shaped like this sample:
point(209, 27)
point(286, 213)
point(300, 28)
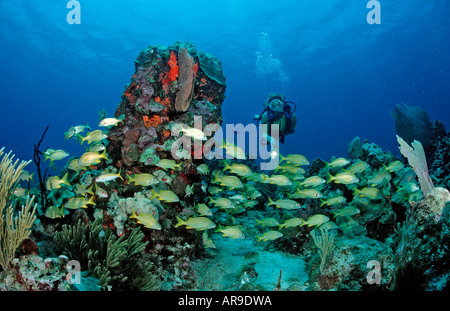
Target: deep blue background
point(344, 74)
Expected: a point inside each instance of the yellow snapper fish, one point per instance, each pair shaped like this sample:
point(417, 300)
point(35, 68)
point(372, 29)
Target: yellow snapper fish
point(307, 193)
point(91, 158)
point(222, 203)
point(296, 176)
point(107, 177)
point(238, 198)
point(168, 164)
point(358, 167)
point(203, 169)
point(93, 136)
point(379, 179)
point(291, 169)
point(26, 176)
point(250, 203)
point(54, 212)
point(409, 187)
point(395, 166)
point(238, 169)
point(259, 177)
point(81, 190)
point(204, 210)
point(214, 190)
point(100, 192)
point(347, 211)
point(197, 223)
point(20, 192)
point(106, 122)
point(165, 195)
point(406, 176)
point(251, 191)
point(329, 225)
point(333, 201)
point(81, 202)
point(296, 159)
point(315, 220)
point(234, 151)
point(148, 220)
point(143, 179)
point(339, 162)
point(370, 193)
point(279, 180)
point(189, 190)
point(292, 222)
point(75, 165)
point(194, 133)
point(233, 232)
point(312, 181)
point(229, 181)
point(54, 182)
point(54, 155)
point(97, 147)
point(285, 204)
point(74, 130)
point(207, 242)
point(269, 236)
point(269, 222)
point(345, 178)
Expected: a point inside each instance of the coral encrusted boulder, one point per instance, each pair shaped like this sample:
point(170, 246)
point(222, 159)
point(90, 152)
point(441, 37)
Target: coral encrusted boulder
point(423, 253)
point(171, 85)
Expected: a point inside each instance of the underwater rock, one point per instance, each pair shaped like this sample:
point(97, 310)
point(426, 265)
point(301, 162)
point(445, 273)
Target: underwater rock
point(212, 67)
point(375, 156)
point(422, 254)
point(171, 85)
point(439, 162)
point(33, 273)
point(346, 266)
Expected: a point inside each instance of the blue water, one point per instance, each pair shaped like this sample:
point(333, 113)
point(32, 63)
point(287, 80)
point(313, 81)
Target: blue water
point(344, 75)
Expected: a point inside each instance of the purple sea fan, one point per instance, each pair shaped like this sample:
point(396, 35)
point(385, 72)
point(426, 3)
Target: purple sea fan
point(417, 160)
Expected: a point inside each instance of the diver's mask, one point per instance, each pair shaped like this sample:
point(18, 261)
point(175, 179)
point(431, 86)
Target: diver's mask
point(276, 105)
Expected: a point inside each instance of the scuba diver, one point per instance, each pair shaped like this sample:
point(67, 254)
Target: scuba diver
point(278, 111)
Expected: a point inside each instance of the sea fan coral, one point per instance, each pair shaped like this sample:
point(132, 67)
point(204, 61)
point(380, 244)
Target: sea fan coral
point(185, 81)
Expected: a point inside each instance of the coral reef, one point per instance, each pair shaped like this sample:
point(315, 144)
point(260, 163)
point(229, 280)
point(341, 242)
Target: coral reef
point(32, 273)
point(171, 85)
point(146, 215)
point(422, 253)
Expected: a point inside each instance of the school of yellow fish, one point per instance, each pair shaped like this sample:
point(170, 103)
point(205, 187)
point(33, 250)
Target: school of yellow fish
point(234, 187)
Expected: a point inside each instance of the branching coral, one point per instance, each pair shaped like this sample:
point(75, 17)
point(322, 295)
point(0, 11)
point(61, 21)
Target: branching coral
point(115, 261)
point(13, 228)
point(324, 243)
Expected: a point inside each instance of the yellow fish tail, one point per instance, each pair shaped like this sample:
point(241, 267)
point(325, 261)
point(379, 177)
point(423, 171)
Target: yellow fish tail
point(330, 177)
point(82, 139)
point(154, 194)
point(180, 222)
point(65, 181)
